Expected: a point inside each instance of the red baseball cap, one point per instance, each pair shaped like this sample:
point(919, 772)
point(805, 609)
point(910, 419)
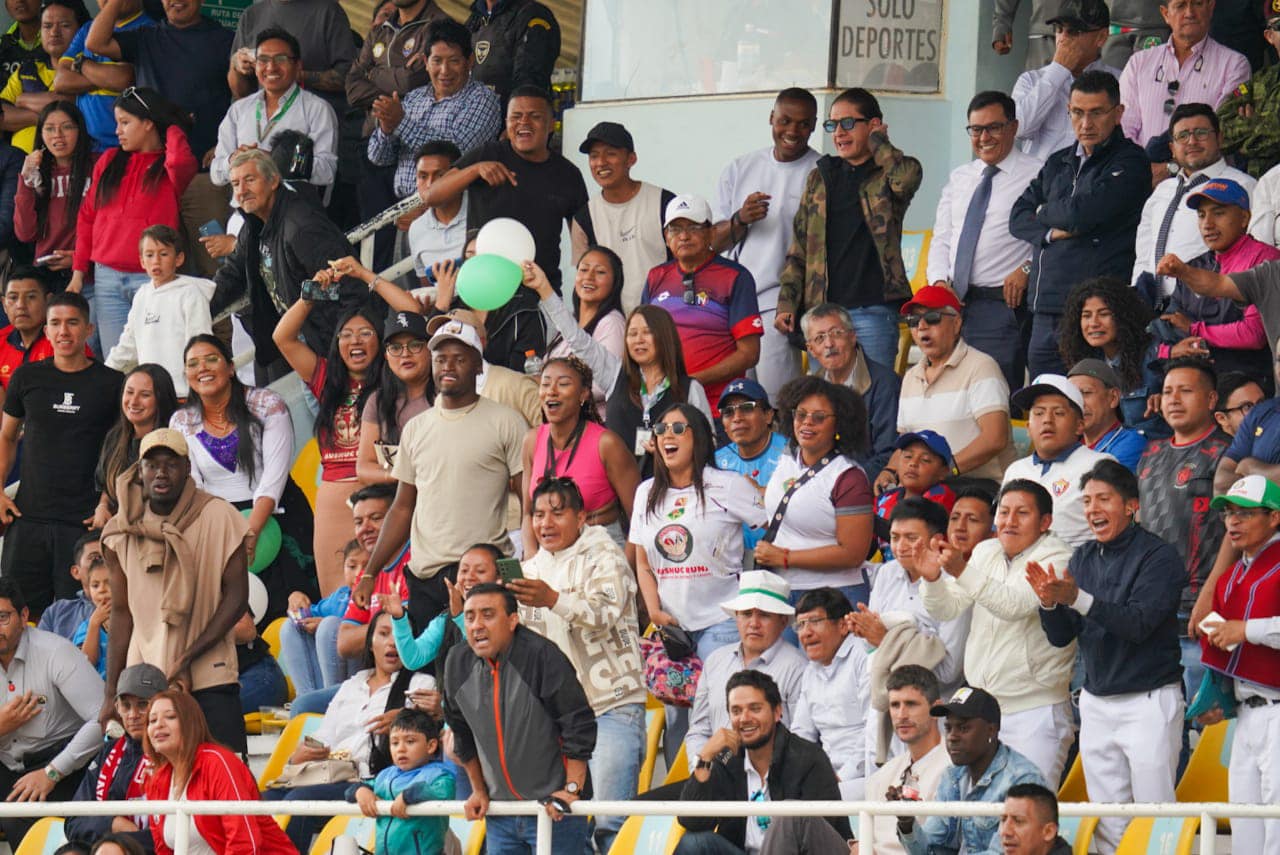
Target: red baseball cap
point(932, 297)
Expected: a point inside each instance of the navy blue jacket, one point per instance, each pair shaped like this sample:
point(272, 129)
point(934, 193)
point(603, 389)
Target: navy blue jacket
point(1129, 638)
point(87, 829)
point(882, 416)
point(1101, 206)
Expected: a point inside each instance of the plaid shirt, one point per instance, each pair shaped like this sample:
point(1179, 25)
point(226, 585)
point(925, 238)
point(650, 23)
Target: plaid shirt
point(471, 116)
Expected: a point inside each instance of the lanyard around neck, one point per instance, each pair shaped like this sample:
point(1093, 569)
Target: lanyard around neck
point(263, 133)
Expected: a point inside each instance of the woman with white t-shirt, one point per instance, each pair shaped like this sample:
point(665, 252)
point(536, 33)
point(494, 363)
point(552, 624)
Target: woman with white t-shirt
point(825, 532)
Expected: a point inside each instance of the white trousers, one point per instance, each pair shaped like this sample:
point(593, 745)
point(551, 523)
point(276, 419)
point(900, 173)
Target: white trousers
point(1254, 778)
point(1043, 735)
point(1129, 745)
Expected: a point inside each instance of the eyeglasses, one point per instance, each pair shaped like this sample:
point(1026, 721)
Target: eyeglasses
point(746, 408)
point(1078, 115)
point(363, 335)
point(273, 59)
point(1200, 134)
point(761, 821)
point(132, 92)
point(7, 617)
point(813, 622)
point(692, 228)
point(1274, 26)
point(833, 336)
point(1241, 513)
point(994, 129)
point(1244, 409)
point(208, 361)
point(818, 418)
point(848, 123)
point(690, 296)
point(930, 319)
point(677, 428)
point(400, 348)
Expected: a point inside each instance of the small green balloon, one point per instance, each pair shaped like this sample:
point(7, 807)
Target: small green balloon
point(268, 545)
point(487, 282)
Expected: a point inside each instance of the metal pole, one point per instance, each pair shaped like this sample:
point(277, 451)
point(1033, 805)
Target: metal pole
point(866, 832)
point(181, 833)
point(544, 833)
point(366, 251)
point(1208, 834)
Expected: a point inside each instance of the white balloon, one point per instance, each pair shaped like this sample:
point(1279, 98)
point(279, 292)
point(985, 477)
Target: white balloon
point(257, 598)
point(508, 238)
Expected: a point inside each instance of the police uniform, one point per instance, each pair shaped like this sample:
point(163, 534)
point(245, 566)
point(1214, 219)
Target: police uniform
point(515, 44)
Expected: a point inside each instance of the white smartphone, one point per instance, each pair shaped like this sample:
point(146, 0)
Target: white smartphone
point(1211, 622)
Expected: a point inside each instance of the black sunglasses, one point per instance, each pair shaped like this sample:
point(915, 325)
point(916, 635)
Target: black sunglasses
point(132, 92)
point(1173, 92)
point(930, 319)
point(690, 297)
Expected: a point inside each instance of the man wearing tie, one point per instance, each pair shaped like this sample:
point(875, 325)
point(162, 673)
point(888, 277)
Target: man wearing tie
point(972, 250)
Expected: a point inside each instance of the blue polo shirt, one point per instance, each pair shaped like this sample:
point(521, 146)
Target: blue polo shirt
point(98, 105)
point(1124, 444)
point(1259, 434)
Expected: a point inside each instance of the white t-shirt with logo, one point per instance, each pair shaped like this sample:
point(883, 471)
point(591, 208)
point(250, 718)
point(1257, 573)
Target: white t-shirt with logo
point(695, 548)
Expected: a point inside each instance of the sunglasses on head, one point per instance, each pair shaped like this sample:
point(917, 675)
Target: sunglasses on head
point(677, 428)
point(690, 296)
point(931, 318)
point(132, 92)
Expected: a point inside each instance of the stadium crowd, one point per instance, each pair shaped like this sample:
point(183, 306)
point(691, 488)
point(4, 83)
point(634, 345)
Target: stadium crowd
point(862, 581)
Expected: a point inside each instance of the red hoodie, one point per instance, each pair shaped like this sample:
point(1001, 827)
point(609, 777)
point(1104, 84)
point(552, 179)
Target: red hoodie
point(110, 236)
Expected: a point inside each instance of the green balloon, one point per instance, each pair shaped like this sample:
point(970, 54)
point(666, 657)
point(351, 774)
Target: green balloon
point(268, 545)
point(487, 282)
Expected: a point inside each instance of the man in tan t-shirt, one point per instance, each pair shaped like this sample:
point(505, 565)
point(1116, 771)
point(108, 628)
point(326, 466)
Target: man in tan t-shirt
point(179, 582)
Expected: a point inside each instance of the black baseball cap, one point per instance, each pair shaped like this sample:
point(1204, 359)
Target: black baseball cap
point(609, 133)
point(970, 703)
point(406, 322)
point(1085, 15)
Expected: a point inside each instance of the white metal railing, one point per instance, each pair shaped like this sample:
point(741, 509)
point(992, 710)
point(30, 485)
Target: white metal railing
point(1209, 812)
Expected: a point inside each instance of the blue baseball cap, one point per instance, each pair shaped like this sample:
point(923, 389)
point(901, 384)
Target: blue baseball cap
point(933, 440)
point(1224, 191)
point(747, 388)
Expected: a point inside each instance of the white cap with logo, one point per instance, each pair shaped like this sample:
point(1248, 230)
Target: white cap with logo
point(687, 207)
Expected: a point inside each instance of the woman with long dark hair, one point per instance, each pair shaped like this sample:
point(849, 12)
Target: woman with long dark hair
point(405, 390)
point(597, 308)
point(136, 185)
point(241, 450)
point(341, 383)
point(147, 402)
point(55, 178)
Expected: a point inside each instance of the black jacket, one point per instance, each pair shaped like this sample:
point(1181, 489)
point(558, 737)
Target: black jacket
point(299, 239)
point(1100, 202)
point(515, 45)
point(87, 829)
point(800, 770)
point(1129, 638)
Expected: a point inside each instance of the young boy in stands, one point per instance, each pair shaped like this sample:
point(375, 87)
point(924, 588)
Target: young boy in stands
point(64, 616)
point(924, 462)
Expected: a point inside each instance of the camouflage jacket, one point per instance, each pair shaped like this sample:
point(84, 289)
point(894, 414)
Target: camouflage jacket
point(1256, 137)
point(885, 197)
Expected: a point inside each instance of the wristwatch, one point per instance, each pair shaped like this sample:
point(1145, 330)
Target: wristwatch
point(1026, 267)
point(572, 788)
point(702, 764)
point(54, 774)
point(77, 63)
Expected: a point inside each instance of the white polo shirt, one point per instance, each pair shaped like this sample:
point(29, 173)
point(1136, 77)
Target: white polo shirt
point(1061, 477)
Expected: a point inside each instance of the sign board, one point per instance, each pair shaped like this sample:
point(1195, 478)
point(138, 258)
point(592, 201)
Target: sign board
point(225, 12)
point(890, 45)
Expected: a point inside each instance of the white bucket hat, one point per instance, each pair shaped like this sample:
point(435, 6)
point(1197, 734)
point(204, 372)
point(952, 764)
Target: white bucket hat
point(760, 589)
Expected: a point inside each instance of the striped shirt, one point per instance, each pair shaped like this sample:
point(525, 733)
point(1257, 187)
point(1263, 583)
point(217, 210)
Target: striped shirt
point(1208, 76)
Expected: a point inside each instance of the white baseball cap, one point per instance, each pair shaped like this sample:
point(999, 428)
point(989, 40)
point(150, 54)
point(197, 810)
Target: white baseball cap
point(1049, 384)
point(687, 207)
point(760, 589)
point(456, 330)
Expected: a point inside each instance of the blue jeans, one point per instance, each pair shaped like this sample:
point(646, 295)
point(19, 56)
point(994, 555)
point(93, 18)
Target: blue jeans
point(312, 661)
point(708, 640)
point(615, 765)
point(707, 843)
point(860, 593)
point(262, 685)
point(877, 331)
point(517, 835)
point(112, 298)
point(313, 702)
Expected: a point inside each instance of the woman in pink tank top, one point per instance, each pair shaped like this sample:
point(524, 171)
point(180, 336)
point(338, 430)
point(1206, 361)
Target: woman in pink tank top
point(573, 444)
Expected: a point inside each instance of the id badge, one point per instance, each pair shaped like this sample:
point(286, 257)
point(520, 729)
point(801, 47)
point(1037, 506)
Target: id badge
point(643, 435)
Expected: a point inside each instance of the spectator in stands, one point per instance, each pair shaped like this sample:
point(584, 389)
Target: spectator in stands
point(1103, 430)
point(1042, 91)
point(955, 390)
point(500, 384)
point(1029, 824)
point(1103, 318)
point(91, 633)
point(119, 771)
point(309, 639)
point(1007, 653)
point(826, 712)
point(22, 340)
point(402, 392)
point(189, 764)
point(606, 473)
point(1175, 479)
point(1251, 509)
point(252, 120)
point(832, 342)
point(754, 447)
point(51, 728)
point(147, 402)
point(1131, 706)
point(436, 235)
point(1139, 25)
point(972, 517)
point(519, 177)
point(1238, 394)
point(451, 107)
point(1039, 44)
point(21, 41)
point(754, 757)
point(711, 299)
point(97, 81)
point(522, 39)
point(1248, 112)
point(484, 462)
point(51, 188)
point(285, 239)
point(924, 462)
point(1189, 68)
point(972, 251)
point(749, 186)
point(537, 693)
point(762, 611)
point(983, 769)
point(478, 565)
point(627, 216)
point(578, 592)
point(365, 704)
point(28, 90)
point(327, 46)
point(369, 507)
point(818, 497)
point(209, 594)
point(1080, 213)
point(63, 616)
point(1168, 224)
point(852, 254)
point(60, 449)
point(1055, 420)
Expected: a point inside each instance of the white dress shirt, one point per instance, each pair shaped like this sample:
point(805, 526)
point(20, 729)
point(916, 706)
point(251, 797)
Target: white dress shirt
point(998, 253)
point(1041, 96)
point(894, 591)
point(1264, 199)
point(832, 711)
point(246, 123)
point(1184, 233)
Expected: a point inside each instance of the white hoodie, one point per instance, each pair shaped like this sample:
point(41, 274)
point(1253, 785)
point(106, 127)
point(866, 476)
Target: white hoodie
point(163, 318)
